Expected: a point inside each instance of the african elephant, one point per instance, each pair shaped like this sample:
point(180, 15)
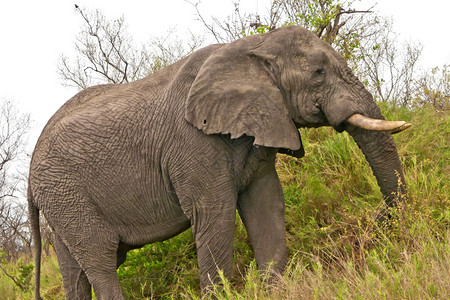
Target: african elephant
point(121, 166)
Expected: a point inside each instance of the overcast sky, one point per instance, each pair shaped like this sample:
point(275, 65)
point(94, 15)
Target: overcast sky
point(33, 34)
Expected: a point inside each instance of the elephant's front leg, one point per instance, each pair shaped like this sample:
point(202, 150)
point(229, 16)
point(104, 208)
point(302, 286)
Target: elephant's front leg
point(211, 207)
point(261, 207)
point(214, 233)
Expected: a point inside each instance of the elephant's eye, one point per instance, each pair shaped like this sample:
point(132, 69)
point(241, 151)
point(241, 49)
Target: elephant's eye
point(320, 71)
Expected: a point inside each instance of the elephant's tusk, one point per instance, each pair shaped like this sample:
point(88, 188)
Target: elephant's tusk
point(364, 122)
point(401, 128)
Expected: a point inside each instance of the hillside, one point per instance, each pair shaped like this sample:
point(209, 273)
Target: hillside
point(337, 250)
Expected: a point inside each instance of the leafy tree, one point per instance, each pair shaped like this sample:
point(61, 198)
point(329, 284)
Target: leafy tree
point(367, 41)
point(106, 53)
point(332, 21)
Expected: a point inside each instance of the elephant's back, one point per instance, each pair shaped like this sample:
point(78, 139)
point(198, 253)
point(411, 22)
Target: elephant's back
point(104, 105)
point(104, 96)
point(123, 129)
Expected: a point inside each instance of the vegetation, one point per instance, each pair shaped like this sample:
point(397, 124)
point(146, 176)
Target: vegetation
point(106, 53)
point(14, 127)
point(337, 249)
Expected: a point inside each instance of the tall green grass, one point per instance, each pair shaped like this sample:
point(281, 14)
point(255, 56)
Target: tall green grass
point(337, 250)
point(51, 280)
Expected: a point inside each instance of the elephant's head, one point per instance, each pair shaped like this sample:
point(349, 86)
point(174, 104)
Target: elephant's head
point(267, 86)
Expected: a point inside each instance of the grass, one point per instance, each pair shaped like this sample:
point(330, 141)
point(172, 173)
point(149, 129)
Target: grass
point(337, 250)
point(51, 280)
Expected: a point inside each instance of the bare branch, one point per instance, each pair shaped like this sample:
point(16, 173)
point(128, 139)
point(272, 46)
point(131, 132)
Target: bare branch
point(108, 55)
point(13, 129)
point(12, 278)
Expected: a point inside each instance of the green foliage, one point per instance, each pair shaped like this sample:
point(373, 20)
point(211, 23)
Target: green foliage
point(333, 21)
point(22, 271)
point(169, 268)
point(337, 250)
point(318, 14)
point(25, 274)
point(19, 273)
point(161, 269)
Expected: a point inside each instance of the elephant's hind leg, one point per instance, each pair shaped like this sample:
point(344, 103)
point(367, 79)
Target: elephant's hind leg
point(92, 243)
point(96, 252)
point(76, 284)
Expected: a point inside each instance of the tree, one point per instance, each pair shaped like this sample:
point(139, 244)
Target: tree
point(387, 70)
point(433, 88)
point(13, 217)
point(332, 21)
point(106, 53)
point(366, 40)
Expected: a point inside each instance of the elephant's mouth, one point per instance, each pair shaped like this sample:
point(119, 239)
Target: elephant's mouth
point(367, 123)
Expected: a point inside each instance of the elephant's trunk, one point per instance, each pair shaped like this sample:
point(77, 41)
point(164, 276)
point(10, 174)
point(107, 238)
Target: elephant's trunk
point(362, 119)
point(381, 153)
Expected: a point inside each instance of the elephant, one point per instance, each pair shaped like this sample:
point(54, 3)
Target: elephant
point(119, 166)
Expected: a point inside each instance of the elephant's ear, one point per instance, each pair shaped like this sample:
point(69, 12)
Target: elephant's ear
point(234, 93)
point(295, 153)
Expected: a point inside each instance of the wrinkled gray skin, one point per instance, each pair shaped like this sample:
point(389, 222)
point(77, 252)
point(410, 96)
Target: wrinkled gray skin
point(121, 166)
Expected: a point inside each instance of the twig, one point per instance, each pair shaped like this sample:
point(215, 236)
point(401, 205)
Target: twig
point(12, 278)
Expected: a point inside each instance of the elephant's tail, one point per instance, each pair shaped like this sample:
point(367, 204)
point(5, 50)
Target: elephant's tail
point(33, 214)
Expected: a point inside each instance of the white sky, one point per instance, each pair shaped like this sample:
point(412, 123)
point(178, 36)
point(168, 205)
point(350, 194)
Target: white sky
point(33, 34)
